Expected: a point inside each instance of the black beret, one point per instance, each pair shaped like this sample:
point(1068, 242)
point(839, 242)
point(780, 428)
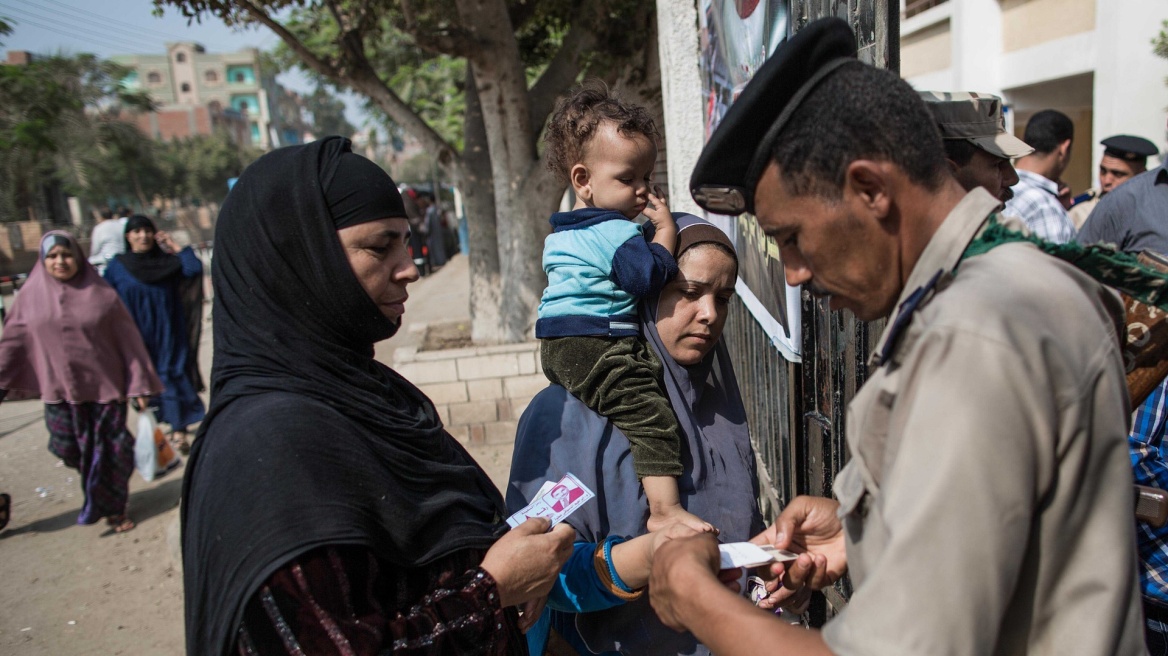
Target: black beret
point(730, 165)
point(1128, 148)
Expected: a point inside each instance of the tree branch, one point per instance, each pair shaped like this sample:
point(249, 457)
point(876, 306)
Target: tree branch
point(307, 56)
point(361, 77)
point(561, 72)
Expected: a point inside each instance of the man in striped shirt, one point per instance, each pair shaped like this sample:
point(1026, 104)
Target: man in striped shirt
point(1036, 200)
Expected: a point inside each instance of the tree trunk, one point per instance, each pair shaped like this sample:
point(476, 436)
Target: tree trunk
point(502, 86)
point(478, 195)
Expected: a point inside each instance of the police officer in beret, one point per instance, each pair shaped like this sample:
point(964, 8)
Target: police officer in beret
point(1132, 215)
point(1123, 157)
point(986, 504)
point(977, 146)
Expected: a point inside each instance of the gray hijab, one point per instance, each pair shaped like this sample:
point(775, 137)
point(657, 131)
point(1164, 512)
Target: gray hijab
point(558, 434)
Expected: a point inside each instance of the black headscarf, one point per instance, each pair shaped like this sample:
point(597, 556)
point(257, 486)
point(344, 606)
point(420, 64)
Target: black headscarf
point(309, 441)
point(153, 266)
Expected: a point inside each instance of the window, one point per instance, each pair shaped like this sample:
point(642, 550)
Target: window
point(211, 76)
point(240, 74)
point(154, 77)
point(180, 57)
point(186, 87)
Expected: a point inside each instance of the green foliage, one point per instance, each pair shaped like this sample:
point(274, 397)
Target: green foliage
point(198, 168)
point(1160, 43)
point(328, 113)
point(60, 123)
point(416, 170)
point(63, 122)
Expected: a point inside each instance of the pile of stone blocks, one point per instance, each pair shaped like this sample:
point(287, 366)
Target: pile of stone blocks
point(480, 392)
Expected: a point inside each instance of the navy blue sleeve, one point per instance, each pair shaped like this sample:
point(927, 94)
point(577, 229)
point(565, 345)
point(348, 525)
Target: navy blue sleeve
point(642, 268)
point(191, 264)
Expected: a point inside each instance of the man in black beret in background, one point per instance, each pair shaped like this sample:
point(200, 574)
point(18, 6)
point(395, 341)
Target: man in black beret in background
point(986, 505)
point(1124, 156)
point(1134, 216)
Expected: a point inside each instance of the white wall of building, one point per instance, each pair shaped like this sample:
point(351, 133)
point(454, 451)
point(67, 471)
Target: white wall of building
point(681, 80)
point(1107, 72)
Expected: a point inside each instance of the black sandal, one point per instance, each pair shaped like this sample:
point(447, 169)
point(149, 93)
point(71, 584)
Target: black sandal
point(5, 510)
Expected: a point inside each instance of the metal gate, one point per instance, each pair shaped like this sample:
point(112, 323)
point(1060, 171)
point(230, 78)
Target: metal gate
point(797, 411)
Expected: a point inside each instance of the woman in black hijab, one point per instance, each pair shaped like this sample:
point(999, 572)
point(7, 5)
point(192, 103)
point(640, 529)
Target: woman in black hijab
point(325, 509)
point(164, 292)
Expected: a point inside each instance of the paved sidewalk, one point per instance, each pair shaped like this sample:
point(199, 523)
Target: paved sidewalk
point(440, 297)
point(443, 297)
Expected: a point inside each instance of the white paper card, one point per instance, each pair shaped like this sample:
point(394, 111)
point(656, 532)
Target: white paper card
point(555, 501)
point(746, 554)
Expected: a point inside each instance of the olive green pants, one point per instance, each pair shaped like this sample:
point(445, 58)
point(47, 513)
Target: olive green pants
point(621, 379)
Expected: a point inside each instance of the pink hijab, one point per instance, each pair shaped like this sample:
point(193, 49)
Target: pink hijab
point(72, 341)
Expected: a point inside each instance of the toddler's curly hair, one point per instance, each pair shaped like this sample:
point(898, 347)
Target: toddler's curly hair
point(576, 117)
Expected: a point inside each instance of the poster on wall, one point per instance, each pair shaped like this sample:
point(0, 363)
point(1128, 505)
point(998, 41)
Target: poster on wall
point(736, 37)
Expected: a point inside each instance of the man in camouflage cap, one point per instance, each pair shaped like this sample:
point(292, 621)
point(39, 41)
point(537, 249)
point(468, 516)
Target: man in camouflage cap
point(976, 143)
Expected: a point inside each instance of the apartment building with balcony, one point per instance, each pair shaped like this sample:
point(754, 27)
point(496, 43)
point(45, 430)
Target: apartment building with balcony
point(199, 92)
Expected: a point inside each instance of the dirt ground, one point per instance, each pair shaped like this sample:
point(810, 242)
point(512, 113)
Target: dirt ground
point(68, 589)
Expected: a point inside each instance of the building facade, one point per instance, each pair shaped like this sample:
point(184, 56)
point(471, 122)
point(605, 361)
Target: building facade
point(1090, 59)
point(200, 92)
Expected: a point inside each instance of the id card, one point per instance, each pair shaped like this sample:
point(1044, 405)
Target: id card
point(555, 501)
point(747, 554)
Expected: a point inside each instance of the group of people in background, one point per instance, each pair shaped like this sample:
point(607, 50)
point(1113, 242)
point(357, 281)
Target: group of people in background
point(1128, 209)
point(87, 343)
point(433, 241)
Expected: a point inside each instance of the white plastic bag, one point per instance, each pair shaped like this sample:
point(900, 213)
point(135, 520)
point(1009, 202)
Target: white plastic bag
point(145, 451)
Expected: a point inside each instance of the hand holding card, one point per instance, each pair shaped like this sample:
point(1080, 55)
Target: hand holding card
point(746, 554)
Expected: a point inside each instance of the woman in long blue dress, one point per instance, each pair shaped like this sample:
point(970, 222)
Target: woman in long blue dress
point(597, 604)
point(151, 282)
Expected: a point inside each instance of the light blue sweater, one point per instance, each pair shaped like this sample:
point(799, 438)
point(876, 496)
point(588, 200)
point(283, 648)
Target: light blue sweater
point(598, 265)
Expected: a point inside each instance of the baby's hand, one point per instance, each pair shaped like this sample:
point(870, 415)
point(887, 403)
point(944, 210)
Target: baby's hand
point(662, 219)
point(658, 210)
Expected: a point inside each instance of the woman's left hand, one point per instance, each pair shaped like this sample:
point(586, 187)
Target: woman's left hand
point(141, 402)
point(527, 559)
point(166, 242)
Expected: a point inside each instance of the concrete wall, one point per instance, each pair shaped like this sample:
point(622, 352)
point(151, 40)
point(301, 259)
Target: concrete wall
point(1027, 23)
point(19, 256)
point(677, 48)
point(479, 392)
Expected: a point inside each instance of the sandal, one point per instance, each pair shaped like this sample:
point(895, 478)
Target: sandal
point(180, 444)
point(120, 523)
point(5, 510)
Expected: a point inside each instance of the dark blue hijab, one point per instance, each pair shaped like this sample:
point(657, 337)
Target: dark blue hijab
point(558, 434)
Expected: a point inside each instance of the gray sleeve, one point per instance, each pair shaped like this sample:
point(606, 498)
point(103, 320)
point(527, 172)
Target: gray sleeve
point(1105, 224)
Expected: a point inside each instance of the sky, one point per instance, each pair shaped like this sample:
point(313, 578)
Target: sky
point(116, 27)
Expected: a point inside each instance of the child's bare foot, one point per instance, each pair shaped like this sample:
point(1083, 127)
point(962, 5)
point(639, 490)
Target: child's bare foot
point(662, 518)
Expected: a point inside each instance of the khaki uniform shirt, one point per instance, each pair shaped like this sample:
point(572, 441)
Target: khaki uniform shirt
point(988, 503)
point(1080, 211)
